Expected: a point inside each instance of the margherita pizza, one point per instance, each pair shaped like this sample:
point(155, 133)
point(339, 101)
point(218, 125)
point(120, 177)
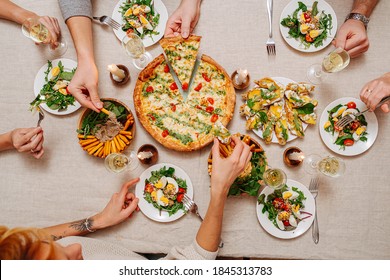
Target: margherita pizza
point(178, 124)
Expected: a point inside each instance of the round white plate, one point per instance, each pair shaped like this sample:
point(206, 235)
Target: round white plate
point(147, 40)
point(358, 147)
point(147, 208)
point(39, 82)
point(295, 43)
point(303, 225)
point(259, 132)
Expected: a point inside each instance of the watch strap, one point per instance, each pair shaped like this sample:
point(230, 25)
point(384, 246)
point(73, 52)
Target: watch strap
point(360, 17)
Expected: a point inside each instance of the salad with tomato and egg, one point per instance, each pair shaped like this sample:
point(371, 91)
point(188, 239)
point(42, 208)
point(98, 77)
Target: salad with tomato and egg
point(140, 17)
point(352, 132)
point(165, 191)
point(308, 25)
point(284, 207)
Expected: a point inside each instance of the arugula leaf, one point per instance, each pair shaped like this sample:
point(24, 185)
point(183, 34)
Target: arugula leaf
point(314, 9)
point(306, 109)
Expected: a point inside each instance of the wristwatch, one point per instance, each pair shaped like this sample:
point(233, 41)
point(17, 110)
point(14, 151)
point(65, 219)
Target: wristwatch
point(359, 17)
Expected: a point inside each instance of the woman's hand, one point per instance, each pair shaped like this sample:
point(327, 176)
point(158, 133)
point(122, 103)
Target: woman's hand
point(28, 140)
point(53, 26)
point(119, 208)
point(373, 92)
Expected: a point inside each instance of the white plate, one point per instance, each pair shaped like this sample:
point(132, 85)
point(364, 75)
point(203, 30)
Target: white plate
point(259, 132)
point(358, 147)
point(147, 40)
point(303, 225)
point(295, 43)
point(147, 208)
point(39, 82)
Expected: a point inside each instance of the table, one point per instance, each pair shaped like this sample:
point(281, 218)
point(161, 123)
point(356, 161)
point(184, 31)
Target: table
point(67, 184)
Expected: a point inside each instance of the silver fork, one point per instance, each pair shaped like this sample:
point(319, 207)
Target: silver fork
point(191, 206)
point(313, 188)
point(41, 115)
point(108, 21)
point(270, 42)
point(351, 117)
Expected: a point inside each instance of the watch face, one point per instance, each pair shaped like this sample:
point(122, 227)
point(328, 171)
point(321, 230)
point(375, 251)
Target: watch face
point(359, 17)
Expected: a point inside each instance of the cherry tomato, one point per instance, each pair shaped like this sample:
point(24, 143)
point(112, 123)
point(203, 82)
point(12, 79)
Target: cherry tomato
point(166, 68)
point(165, 133)
point(351, 105)
point(278, 203)
point(348, 142)
point(178, 57)
point(209, 109)
point(198, 87)
point(149, 89)
point(308, 38)
point(306, 15)
point(184, 86)
point(198, 107)
point(207, 79)
point(355, 125)
point(181, 190)
point(173, 86)
point(214, 118)
point(210, 100)
point(152, 117)
point(173, 107)
point(286, 223)
point(179, 197)
point(149, 188)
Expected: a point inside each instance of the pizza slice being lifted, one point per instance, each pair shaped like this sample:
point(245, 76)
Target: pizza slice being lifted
point(181, 54)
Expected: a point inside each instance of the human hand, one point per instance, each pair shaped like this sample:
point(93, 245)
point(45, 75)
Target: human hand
point(28, 140)
point(119, 208)
point(226, 170)
point(352, 37)
point(373, 92)
point(84, 85)
point(184, 19)
point(53, 26)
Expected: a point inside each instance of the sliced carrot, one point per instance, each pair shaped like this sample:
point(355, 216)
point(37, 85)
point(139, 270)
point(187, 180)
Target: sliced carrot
point(124, 139)
point(87, 141)
point(84, 137)
point(105, 111)
point(125, 132)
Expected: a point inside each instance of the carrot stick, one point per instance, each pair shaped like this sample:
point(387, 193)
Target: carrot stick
point(128, 123)
point(84, 137)
point(91, 145)
point(124, 139)
point(116, 143)
point(113, 148)
point(87, 141)
point(105, 111)
point(96, 150)
point(121, 143)
point(125, 132)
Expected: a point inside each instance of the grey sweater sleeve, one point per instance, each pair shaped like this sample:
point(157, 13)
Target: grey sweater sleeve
point(71, 8)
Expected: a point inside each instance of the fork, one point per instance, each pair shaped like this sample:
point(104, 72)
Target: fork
point(108, 21)
point(351, 117)
point(41, 115)
point(313, 188)
point(191, 206)
point(270, 44)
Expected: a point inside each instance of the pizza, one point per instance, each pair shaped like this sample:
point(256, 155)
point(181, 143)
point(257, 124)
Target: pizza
point(184, 124)
point(181, 54)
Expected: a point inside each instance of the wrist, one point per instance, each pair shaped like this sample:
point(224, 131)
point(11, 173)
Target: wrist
point(96, 222)
point(21, 16)
point(6, 141)
point(358, 17)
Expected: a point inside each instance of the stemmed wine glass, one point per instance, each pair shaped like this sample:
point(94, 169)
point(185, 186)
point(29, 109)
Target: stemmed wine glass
point(117, 162)
point(334, 61)
point(135, 48)
point(38, 32)
point(275, 178)
point(329, 165)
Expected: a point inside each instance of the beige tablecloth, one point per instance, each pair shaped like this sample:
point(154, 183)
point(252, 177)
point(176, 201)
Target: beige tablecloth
point(67, 184)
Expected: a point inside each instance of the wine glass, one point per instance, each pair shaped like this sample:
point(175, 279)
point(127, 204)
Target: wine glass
point(275, 178)
point(329, 165)
point(334, 61)
point(135, 48)
point(117, 163)
point(38, 32)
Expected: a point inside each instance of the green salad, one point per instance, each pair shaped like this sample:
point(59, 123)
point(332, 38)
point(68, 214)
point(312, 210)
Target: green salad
point(165, 191)
point(54, 92)
point(284, 207)
point(308, 25)
point(140, 17)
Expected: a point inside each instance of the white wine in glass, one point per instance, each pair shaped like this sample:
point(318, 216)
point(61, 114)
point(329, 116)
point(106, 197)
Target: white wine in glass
point(135, 48)
point(334, 61)
point(117, 163)
point(275, 178)
point(329, 166)
point(38, 32)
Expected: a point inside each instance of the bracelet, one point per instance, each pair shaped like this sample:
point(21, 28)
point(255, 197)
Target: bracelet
point(87, 224)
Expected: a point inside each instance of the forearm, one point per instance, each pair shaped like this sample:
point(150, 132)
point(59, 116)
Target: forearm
point(81, 30)
point(364, 7)
point(6, 141)
point(209, 233)
point(76, 228)
point(13, 12)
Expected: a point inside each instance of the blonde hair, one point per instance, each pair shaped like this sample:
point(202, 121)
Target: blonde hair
point(25, 244)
